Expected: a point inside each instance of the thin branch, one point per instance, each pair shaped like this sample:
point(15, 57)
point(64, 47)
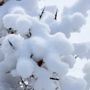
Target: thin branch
point(23, 83)
point(29, 34)
point(42, 13)
point(11, 44)
point(31, 55)
point(54, 78)
point(56, 14)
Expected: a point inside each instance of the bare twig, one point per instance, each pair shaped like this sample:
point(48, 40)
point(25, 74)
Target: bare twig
point(42, 13)
point(56, 14)
point(31, 55)
point(11, 44)
point(29, 34)
point(23, 83)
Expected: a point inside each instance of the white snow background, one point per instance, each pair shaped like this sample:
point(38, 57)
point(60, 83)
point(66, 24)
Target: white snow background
point(26, 50)
point(83, 36)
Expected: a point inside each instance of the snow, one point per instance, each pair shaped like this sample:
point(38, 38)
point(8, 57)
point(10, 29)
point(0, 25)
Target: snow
point(87, 74)
point(59, 41)
point(11, 43)
point(52, 9)
point(69, 24)
point(46, 81)
point(23, 25)
point(1, 55)
point(38, 47)
point(42, 31)
point(69, 83)
point(69, 59)
point(39, 51)
point(82, 49)
point(24, 68)
point(9, 21)
point(17, 10)
point(81, 6)
point(54, 64)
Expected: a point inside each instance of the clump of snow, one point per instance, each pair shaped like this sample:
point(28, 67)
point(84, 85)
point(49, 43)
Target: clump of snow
point(60, 44)
point(9, 20)
point(1, 23)
point(49, 18)
point(1, 55)
point(80, 6)
point(69, 83)
point(23, 25)
point(11, 43)
point(16, 6)
point(41, 47)
point(87, 73)
point(82, 50)
point(43, 29)
point(68, 24)
point(69, 59)
point(54, 64)
point(17, 10)
point(38, 46)
point(31, 6)
point(40, 50)
point(46, 81)
point(52, 9)
point(10, 46)
point(24, 68)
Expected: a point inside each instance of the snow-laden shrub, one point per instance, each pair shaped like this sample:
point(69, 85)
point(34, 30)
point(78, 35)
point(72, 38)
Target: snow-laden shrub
point(35, 51)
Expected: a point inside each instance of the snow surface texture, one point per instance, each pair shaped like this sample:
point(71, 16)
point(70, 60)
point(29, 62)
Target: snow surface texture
point(35, 53)
point(81, 6)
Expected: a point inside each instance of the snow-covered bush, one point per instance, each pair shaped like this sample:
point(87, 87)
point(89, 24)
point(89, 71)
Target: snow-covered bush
point(35, 51)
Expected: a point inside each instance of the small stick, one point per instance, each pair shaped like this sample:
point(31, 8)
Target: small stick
point(42, 13)
point(25, 86)
point(11, 44)
point(54, 78)
point(56, 14)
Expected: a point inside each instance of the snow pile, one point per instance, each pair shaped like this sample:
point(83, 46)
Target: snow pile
point(36, 48)
point(54, 64)
point(42, 49)
point(10, 45)
point(25, 25)
point(69, 83)
point(68, 24)
point(82, 50)
point(46, 81)
point(69, 59)
point(15, 6)
point(24, 68)
point(81, 6)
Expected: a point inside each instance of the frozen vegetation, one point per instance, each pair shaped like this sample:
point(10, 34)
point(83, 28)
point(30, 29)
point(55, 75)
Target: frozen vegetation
point(35, 51)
